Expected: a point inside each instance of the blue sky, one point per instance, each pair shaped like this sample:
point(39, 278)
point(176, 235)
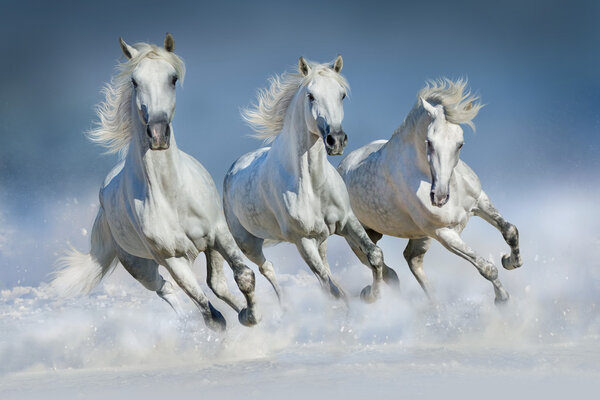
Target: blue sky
point(535, 64)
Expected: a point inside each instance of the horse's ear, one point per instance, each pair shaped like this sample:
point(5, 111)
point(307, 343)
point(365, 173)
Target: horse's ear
point(128, 50)
point(469, 106)
point(169, 42)
point(431, 110)
point(338, 64)
point(303, 67)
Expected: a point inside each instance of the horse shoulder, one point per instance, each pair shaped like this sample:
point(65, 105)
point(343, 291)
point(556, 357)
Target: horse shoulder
point(468, 181)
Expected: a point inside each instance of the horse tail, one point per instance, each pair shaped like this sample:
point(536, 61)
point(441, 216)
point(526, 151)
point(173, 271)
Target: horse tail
point(78, 273)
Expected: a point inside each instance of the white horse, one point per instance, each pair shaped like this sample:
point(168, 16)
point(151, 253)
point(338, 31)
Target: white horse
point(289, 191)
point(415, 186)
point(159, 205)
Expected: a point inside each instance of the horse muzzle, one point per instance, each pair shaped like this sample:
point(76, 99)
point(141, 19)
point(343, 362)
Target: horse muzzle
point(439, 197)
point(335, 142)
point(159, 135)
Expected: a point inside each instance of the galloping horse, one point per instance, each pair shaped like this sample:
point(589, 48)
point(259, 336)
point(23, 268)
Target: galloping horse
point(289, 191)
point(415, 186)
point(158, 205)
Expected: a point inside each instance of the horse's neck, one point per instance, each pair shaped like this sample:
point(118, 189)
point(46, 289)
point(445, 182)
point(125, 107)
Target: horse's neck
point(157, 169)
point(299, 152)
point(407, 144)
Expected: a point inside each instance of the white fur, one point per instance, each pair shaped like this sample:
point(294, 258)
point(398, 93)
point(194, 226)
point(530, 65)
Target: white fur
point(289, 191)
point(115, 125)
point(267, 116)
point(414, 185)
point(157, 206)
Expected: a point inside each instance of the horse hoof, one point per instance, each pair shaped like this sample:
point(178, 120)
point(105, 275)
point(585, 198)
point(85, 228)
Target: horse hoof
point(508, 263)
point(248, 319)
point(367, 295)
point(390, 277)
point(215, 321)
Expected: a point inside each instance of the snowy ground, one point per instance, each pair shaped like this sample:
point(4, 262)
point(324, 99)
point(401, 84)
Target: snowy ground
point(123, 341)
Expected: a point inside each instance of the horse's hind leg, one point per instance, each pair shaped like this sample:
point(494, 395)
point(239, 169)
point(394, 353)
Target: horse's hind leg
point(180, 269)
point(145, 271)
point(244, 276)
point(251, 246)
point(413, 253)
point(215, 278)
point(486, 210)
point(451, 240)
point(389, 275)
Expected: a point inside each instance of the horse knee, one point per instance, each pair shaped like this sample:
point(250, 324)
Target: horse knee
point(375, 256)
point(245, 279)
point(489, 271)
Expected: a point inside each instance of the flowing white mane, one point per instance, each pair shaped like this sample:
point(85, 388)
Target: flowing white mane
point(114, 129)
point(266, 118)
point(460, 106)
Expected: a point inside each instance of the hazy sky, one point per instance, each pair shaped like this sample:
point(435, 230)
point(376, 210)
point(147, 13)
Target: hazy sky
point(535, 63)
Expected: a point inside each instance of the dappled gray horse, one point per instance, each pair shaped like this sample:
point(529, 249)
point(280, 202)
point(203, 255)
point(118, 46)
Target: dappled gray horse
point(415, 186)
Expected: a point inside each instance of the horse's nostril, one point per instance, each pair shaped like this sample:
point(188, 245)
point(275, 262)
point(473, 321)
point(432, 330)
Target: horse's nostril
point(148, 131)
point(330, 140)
point(432, 196)
point(345, 138)
point(167, 131)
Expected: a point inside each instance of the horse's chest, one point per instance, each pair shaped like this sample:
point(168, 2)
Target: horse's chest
point(305, 215)
point(122, 219)
point(147, 228)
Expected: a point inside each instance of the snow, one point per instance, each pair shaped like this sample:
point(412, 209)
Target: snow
point(123, 341)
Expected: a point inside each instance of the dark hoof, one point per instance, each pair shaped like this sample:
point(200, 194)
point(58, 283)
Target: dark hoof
point(508, 264)
point(335, 291)
point(215, 321)
point(390, 277)
point(367, 295)
point(248, 319)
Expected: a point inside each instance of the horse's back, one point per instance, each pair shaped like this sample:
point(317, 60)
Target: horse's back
point(359, 155)
point(248, 160)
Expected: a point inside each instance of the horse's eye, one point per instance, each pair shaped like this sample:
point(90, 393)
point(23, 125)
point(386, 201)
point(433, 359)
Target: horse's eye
point(460, 146)
point(343, 96)
point(174, 80)
point(311, 98)
point(133, 82)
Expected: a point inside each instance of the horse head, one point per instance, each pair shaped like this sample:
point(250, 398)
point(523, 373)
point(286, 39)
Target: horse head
point(324, 109)
point(153, 80)
point(443, 143)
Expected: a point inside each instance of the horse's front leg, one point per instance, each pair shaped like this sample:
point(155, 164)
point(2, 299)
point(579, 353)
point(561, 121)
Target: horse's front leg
point(486, 210)
point(451, 240)
point(309, 250)
point(180, 269)
point(244, 276)
point(359, 241)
